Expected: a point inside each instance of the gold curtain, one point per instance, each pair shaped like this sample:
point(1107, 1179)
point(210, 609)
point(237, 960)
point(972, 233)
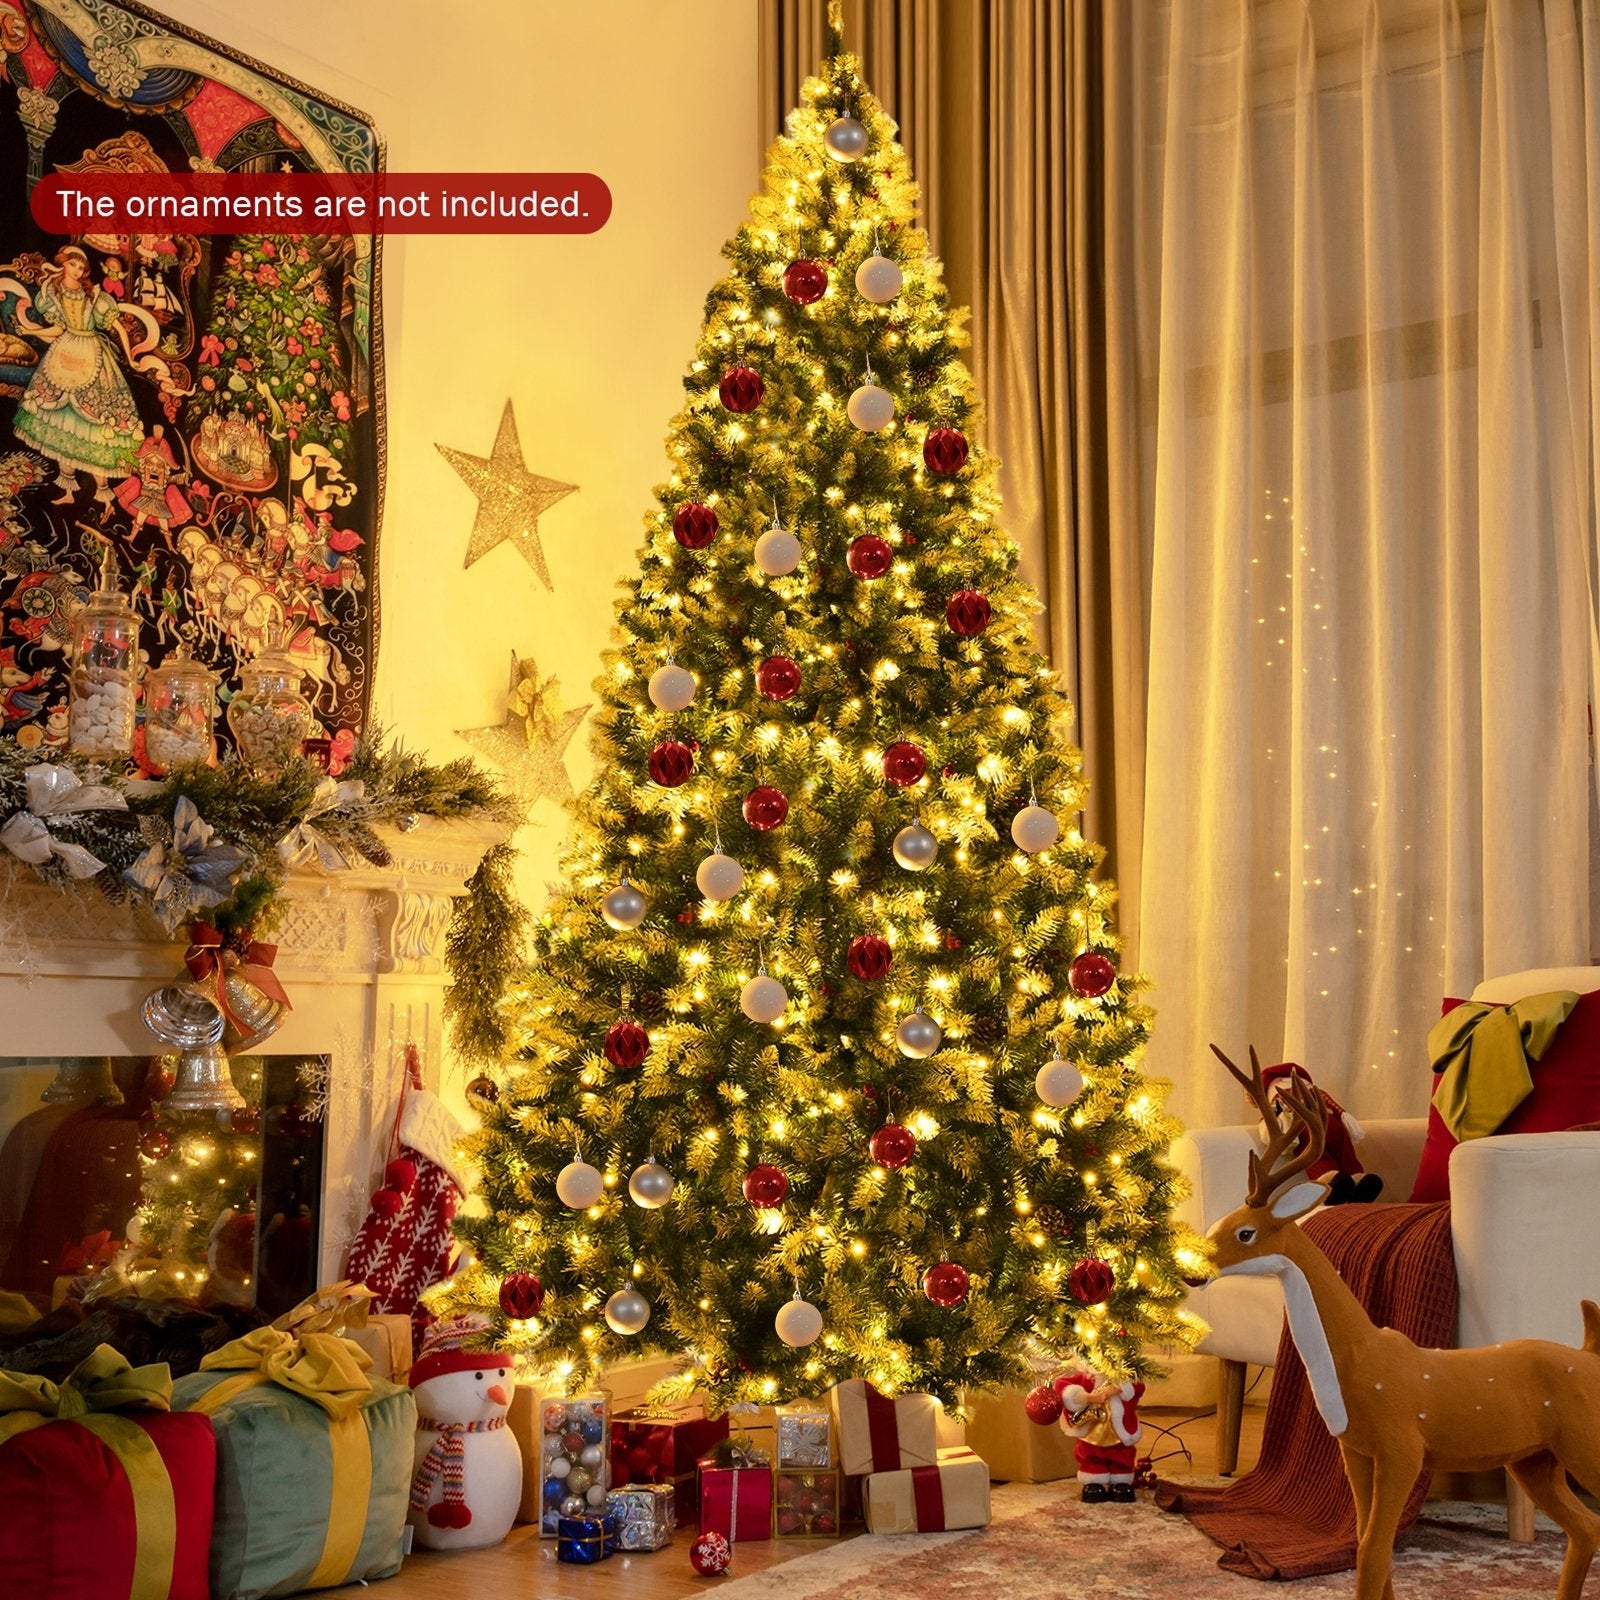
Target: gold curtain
point(1016, 115)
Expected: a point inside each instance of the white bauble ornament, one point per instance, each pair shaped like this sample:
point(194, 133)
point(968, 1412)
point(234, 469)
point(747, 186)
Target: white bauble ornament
point(624, 907)
point(915, 848)
point(798, 1323)
point(1035, 829)
point(1058, 1083)
point(777, 552)
point(558, 1466)
point(763, 999)
point(591, 1457)
point(719, 877)
point(579, 1185)
point(918, 1035)
point(627, 1311)
point(846, 139)
point(870, 408)
point(650, 1186)
point(595, 1494)
point(671, 688)
point(879, 279)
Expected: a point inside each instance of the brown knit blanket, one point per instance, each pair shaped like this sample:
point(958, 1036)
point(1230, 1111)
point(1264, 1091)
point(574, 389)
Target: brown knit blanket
point(1292, 1517)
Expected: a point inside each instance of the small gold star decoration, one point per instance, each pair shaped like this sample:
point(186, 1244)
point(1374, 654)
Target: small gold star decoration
point(530, 744)
point(510, 498)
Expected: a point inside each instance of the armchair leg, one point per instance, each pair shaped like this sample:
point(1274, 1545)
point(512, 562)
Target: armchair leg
point(1230, 1413)
point(1519, 1513)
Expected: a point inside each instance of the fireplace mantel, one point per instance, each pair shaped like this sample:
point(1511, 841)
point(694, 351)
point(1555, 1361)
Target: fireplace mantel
point(361, 954)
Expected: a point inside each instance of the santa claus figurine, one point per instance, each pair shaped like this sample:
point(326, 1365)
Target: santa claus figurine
point(1348, 1181)
point(1102, 1419)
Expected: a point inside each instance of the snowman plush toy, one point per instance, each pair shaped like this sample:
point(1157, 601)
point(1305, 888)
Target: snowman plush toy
point(467, 1479)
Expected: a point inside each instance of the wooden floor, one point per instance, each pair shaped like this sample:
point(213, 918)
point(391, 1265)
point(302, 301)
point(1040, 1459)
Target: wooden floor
point(526, 1565)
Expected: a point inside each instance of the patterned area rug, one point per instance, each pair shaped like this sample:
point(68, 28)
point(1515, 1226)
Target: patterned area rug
point(1044, 1543)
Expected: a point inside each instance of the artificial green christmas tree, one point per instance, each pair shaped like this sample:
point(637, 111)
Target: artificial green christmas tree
point(830, 959)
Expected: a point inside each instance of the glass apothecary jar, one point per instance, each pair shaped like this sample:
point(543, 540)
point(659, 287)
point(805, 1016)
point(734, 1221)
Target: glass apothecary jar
point(268, 715)
point(180, 708)
point(105, 670)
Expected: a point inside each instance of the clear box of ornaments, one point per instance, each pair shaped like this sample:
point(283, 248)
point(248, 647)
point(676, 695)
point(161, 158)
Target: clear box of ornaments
point(574, 1459)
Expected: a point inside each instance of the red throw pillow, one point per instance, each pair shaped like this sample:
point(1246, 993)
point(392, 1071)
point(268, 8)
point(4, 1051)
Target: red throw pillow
point(1566, 1091)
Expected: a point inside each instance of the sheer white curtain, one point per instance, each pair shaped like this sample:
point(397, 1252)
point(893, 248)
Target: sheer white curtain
point(1372, 238)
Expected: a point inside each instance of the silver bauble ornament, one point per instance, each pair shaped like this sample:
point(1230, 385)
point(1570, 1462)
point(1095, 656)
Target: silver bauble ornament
point(879, 279)
point(671, 688)
point(918, 1035)
point(870, 408)
point(719, 877)
point(579, 1185)
point(777, 552)
point(627, 1311)
point(651, 1185)
point(763, 999)
point(573, 1505)
point(798, 1323)
point(915, 848)
point(1058, 1083)
point(845, 139)
point(1034, 829)
point(624, 907)
point(592, 1457)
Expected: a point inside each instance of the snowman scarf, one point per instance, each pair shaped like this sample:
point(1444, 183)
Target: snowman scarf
point(446, 1459)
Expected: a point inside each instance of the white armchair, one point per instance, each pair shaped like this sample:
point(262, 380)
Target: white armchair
point(1526, 1247)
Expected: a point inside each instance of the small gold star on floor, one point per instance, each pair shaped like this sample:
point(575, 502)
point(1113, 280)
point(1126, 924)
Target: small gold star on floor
point(529, 745)
point(510, 498)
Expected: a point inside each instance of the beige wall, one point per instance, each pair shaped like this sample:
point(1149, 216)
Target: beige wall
point(588, 336)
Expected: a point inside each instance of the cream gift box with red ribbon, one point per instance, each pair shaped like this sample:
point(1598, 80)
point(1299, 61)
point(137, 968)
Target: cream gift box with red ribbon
point(952, 1493)
point(880, 1434)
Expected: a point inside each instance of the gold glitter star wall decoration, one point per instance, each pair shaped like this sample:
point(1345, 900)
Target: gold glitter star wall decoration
point(510, 498)
point(529, 745)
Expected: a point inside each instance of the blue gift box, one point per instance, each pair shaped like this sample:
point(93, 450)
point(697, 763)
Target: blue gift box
point(611, 1531)
point(585, 1540)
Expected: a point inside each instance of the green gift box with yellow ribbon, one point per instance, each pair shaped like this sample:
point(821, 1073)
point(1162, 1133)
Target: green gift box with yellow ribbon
point(313, 1462)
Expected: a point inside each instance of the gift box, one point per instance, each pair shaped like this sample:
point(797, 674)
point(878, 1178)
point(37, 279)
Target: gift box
point(313, 1459)
point(756, 1427)
point(736, 1498)
point(664, 1446)
point(1017, 1450)
point(953, 1493)
point(386, 1338)
point(108, 1493)
point(877, 1434)
point(805, 1503)
point(805, 1435)
point(644, 1513)
point(569, 1469)
point(581, 1540)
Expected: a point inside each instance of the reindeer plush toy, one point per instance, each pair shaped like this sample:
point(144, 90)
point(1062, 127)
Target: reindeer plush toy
point(1395, 1409)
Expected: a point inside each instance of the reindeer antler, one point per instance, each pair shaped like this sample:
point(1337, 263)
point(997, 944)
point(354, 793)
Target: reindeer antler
point(1310, 1111)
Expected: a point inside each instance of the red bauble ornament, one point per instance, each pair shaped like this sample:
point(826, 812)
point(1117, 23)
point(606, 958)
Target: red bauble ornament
point(790, 1522)
point(1091, 1281)
point(869, 957)
point(967, 612)
point(521, 1295)
point(765, 808)
point(741, 388)
point(823, 1523)
point(671, 762)
point(1091, 974)
point(946, 1284)
point(765, 1186)
point(869, 556)
point(945, 450)
point(710, 1555)
point(1043, 1405)
point(804, 282)
point(777, 677)
point(572, 1443)
point(627, 1044)
point(154, 1145)
point(892, 1146)
point(904, 763)
point(694, 526)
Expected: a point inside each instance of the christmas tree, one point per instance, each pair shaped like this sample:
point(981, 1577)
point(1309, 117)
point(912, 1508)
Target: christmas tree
point(827, 1069)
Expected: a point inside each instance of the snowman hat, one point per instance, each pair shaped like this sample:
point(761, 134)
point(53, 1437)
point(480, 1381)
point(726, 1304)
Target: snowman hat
point(442, 1349)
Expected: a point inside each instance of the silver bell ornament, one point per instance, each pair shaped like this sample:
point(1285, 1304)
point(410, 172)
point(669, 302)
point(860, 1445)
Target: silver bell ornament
point(627, 1311)
point(798, 1322)
point(870, 408)
point(719, 877)
point(777, 552)
point(624, 907)
point(845, 139)
point(763, 999)
point(915, 848)
point(671, 688)
point(651, 1185)
point(879, 279)
point(918, 1035)
point(579, 1185)
point(1034, 829)
point(1058, 1083)
point(178, 1014)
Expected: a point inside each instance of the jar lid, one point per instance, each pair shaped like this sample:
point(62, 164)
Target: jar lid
point(181, 664)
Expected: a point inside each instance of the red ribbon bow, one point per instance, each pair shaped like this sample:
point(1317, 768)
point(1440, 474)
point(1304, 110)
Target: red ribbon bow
point(208, 962)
